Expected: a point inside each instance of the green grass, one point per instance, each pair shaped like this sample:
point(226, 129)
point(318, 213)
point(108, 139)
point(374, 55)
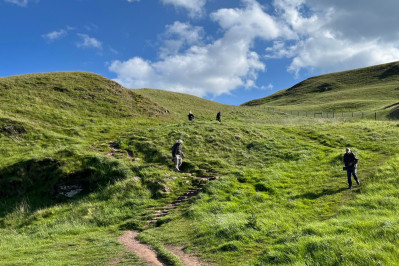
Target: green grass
point(277, 181)
point(366, 90)
point(281, 197)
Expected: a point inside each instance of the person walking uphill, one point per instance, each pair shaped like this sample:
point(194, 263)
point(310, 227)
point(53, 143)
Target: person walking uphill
point(190, 116)
point(218, 117)
point(177, 154)
point(350, 160)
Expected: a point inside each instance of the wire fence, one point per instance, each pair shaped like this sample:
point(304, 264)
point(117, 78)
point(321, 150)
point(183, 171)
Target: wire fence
point(364, 115)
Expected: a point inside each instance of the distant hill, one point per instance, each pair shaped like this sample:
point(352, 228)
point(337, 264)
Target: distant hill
point(364, 89)
point(180, 104)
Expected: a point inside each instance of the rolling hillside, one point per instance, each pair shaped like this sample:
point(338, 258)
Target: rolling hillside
point(373, 88)
point(281, 196)
point(69, 99)
point(179, 104)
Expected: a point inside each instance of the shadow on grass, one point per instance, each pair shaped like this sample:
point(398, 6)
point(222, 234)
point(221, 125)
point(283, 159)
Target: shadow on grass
point(325, 192)
point(39, 183)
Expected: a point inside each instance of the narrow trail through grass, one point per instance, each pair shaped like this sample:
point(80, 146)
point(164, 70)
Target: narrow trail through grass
point(144, 252)
point(130, 239)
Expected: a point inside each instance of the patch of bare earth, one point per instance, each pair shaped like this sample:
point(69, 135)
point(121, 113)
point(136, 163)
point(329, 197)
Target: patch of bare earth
point(144, 252)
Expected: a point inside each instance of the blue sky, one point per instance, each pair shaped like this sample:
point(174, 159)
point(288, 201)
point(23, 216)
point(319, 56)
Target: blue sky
point(230, 51)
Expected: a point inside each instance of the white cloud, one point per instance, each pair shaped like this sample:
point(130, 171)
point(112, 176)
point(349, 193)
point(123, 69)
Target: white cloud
point(88, 42)
point(320, 36)
point(268, 87)
point(194, 7)
point(337, 35)
point(179, 36)
point(214, 68)
point(130, 1)
point(55, 35)
point(22, 3)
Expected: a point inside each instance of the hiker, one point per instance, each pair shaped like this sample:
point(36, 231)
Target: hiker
point(177, 154)
point(218, 117)
point(350, 160)
point(190, 116)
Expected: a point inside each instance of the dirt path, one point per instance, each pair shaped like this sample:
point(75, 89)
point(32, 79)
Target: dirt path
point(144, 252)
point(183, 198)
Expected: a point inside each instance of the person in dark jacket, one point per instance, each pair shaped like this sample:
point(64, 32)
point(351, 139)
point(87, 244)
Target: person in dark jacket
point(177, 154)
point(218, 117)
point(350, 161)
point(190, 116)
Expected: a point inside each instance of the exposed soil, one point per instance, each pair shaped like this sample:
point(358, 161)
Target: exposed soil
point(183, 198)
point(144, 252)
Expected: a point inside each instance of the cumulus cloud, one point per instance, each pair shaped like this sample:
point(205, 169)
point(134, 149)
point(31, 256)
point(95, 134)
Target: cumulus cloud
point(194, 7)
point(22, 3)
point(179, 36)
point(313, 35)
point(337, 35)
point(55, 35)
point(214, 68)
point(88, 42)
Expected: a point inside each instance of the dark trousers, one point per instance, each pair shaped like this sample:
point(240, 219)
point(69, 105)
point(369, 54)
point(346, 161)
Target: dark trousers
point(352, 171)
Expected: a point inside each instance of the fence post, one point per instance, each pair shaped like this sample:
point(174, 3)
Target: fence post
point(375, 116)
point(306, 114)
point(352, 114)
point(321, 114)
point(333, 115)
point(327, 114)
point(298, 113)
point(362, 115)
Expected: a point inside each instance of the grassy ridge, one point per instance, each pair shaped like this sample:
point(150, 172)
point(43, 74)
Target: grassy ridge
point(365, 89)
point(179, 104)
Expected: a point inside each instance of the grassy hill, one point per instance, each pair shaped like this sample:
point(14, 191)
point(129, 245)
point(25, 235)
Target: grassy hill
point(281, 197)
point(179, 104)
point(70, 107)
point(373, 88)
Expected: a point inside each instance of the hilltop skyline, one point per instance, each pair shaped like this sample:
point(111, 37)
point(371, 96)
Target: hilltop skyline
point(227, 51)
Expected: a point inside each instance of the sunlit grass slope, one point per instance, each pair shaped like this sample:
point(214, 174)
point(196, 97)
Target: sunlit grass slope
point(281, 197)
point(364, 89)
point(55, 130)
point(180, 104)
point(54, 109)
